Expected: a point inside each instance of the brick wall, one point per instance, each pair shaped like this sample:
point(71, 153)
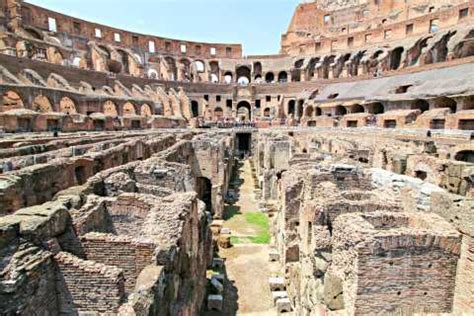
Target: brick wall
point(125, 253)
point(75, 280)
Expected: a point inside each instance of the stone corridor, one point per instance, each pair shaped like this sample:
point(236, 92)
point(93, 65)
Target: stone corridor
point(247, 262)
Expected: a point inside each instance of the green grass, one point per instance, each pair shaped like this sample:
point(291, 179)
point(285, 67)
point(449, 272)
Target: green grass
point(261, 221)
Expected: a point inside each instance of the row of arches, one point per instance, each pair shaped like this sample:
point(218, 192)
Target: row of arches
point(244, 76)
point(12, 100)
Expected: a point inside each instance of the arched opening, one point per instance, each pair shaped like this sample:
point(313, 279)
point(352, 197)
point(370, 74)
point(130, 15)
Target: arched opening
point(80, 175)
point(218, 113)
point(257, 70)
point(357, 108)
point(283, 77)
point(309, 111)
point(269, 77)
point(311, 69)
point(465, 156)
point(214, 65)
point(41, 104)
point(124, 61)
point(266, 112)
point(204, 192)
point(421, 105)
point(292, 108)
point(228, 78)
point(110, 109)
point(199, 64)
point(376, 108)
point(67, 106)
point(185, 70)
point(129, 109)
point(340, 110)
point(243, 75)
point(194, 108)
point(145, 110)
point(396, 58)
point(12, 100)
point(445, 102)
point(171, 68)
point(244, 111)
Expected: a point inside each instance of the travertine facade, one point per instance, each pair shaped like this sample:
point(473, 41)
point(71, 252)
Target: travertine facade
point(119, 155)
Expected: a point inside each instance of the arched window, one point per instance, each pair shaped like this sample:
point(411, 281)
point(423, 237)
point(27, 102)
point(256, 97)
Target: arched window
point(269, 77)
point(283, 77)
point(110, 109)
point(41, 104)
point(145, 110)
point(66, 105)
point(129, 109)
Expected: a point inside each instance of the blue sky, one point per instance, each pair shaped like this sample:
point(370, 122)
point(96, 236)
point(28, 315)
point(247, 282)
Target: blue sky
point(257, 24)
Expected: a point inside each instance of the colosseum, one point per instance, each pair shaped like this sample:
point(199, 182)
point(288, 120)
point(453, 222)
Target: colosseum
point(143, 175)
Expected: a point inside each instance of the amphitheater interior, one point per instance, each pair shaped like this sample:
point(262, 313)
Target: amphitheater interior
point(143, 175)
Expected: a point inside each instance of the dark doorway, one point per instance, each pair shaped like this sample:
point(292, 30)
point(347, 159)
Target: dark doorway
point(99, 125)
point(244, 111)
point(204, 191)
point(195, 108)
point(466, 124)
point(437, 124)
point(24, 125)
point(389, 124)
point(244, 142)
point(80, 173)
point(136, 124)
point(351, 124)
point(466, 156)
point(52, 125)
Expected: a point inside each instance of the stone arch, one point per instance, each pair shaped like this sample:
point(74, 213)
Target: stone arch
point(439, 52)
point(214, 76)
point(269, 77)
point(185, 69)
point(243, 75)
point(283, 77)
point(266, 112)
point(12, 100)
point(110, 109)
point(67, 106)
point(42, 104)
point(291, 107)
point(445, 102)
point(357, 108)
point(124, 60)
point(340, 110)
point(228, 77)
point(421, 105)
point(244, 110)
point(200, 66)
point(396, 58)
point(129, 109)
point(145, 110)
point(172, 69)
point(465, 156)
point(218, 113)
point(257, 69)
point(375, 108)
point(311, 69)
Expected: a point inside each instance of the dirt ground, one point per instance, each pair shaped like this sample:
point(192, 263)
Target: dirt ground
point(248, 266)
